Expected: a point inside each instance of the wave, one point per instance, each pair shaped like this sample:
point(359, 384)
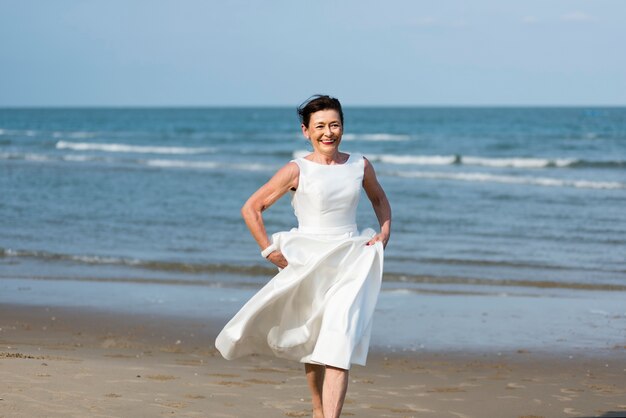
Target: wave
point(76, 135)
point(518, 162)
point(415, 159)
point(512, 162)
point(542, 284)
point(50, 158)
point(25, 156)
point(485, 177)
point(144, 149)
point(158, 163)
point(257, 270)
point(29, 132)
point(205, 165)
point(509, 162)
point(80, 157)
point(180, 164)
point(376, 137)
point(146, 264)
point(599, 164)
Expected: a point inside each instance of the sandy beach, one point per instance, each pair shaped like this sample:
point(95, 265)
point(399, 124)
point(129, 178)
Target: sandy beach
point(69, 362)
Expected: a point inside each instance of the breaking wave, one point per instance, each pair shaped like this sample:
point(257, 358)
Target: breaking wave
point(144, 149)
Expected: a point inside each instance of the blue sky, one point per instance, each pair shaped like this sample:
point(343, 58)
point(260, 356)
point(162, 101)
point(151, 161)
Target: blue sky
point(396, 52)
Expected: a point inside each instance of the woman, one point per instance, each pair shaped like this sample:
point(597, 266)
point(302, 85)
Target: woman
point(318, 308)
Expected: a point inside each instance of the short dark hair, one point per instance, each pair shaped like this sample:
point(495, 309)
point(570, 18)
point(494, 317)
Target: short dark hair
point(315, 104)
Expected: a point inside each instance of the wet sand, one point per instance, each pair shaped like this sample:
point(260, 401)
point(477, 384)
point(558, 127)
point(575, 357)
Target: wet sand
point(70, 362)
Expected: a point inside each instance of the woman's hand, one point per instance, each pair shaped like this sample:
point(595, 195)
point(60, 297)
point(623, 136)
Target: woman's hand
point(277, 258)
point(379, 237)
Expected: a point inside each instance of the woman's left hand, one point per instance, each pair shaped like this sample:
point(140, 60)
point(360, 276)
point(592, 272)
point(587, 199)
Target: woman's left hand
point(379, 237)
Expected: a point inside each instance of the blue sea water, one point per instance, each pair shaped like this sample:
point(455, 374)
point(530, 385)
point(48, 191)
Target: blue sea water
point(529, 198)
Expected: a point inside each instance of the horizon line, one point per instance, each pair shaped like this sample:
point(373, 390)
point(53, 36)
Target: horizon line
point(285, 106)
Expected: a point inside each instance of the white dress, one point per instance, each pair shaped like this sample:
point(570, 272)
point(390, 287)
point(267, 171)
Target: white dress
point(319, 308)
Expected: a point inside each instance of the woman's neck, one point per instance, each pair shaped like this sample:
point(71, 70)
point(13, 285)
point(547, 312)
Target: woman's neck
point(327, 159)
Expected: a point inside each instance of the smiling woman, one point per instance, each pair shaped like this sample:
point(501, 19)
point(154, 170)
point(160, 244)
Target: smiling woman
point(324, 128)
point(318, 309)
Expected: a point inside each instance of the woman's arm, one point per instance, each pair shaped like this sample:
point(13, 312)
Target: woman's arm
point(381, 206)
point(285, 179)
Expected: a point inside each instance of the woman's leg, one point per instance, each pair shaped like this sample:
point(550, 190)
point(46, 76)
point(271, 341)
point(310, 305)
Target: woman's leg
point(315, 379)
point(334, 391)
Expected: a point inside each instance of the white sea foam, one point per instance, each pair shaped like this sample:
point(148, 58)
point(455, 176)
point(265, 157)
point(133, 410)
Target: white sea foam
point(517, 162)
point(486, 177)
point(78, 134)
point(599, 312)
point(206, 165)
point(181, 164)
point(93, 146)
point(414, 159)
point(80, 157)
point(462, 160)
point(36, 157)
point(100, 260)
point(376, 137)
point(513, 162)
point(253, 167)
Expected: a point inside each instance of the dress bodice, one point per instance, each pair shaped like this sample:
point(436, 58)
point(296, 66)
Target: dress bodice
point(327, 195)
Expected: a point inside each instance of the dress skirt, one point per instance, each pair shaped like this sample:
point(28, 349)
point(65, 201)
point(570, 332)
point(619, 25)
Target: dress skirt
point(319, 308)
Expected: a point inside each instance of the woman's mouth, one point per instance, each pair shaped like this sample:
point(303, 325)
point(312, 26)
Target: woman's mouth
point(327, 141)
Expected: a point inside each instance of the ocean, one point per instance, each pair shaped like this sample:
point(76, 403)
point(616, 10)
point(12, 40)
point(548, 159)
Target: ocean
point(481, 197)
point(509, 228)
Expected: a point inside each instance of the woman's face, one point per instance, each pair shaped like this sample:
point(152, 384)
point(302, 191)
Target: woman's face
point(324, 131)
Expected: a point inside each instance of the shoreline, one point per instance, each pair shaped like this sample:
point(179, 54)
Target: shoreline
point(73, 362)
point(423, 319)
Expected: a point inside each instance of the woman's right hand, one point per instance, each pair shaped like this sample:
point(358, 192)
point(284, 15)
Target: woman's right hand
point(277, 258)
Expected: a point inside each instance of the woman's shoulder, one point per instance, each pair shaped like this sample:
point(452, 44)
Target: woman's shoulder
point(289, 171)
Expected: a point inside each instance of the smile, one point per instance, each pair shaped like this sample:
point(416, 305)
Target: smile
point(327, 141)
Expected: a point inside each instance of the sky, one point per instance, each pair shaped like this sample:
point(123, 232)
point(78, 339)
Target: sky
point(279, 52)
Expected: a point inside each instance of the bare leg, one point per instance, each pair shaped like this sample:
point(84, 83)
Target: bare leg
point(334, 391)
point(315, 379)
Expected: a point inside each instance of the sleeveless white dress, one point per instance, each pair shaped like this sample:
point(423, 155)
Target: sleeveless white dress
point(319, 308)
